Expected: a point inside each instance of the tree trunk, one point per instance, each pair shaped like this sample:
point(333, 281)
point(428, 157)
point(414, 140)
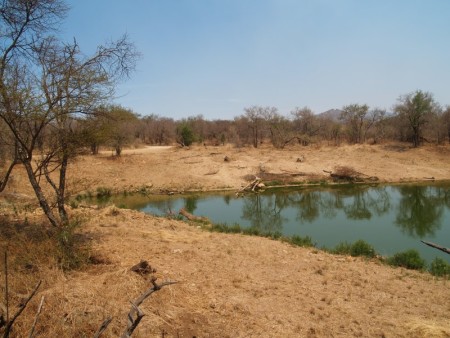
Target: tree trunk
point(40, 195)
point(60, 194)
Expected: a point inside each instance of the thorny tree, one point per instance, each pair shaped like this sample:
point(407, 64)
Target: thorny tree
point(45, 87)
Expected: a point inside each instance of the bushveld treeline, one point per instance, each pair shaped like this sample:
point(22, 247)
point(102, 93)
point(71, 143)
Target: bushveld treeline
point(416, 118)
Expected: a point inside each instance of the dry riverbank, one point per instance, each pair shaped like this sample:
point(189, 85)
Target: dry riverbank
point(232, 285)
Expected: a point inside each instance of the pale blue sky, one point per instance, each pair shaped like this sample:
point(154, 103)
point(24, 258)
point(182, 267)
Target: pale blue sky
point(215, 57)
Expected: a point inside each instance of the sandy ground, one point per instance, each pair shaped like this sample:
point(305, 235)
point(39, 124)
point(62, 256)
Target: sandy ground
point(235, 285)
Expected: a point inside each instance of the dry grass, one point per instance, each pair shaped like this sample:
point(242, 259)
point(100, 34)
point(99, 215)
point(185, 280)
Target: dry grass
point(230, 285)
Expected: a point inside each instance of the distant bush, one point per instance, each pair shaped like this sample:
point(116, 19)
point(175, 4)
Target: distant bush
point(439, 267)
point(409, 259)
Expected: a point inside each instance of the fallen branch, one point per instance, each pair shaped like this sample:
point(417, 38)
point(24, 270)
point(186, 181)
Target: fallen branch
point(191, 217)
point(38, 312)
point(22, 307)
point(135, 315)
point(441, 248)
point(103, 327)
point(256, 184)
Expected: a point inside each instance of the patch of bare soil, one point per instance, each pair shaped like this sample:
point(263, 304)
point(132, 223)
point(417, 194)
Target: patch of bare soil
point(235, 285)
point(200, 168)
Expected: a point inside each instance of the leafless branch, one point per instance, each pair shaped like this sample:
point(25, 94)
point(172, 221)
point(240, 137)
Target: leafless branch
point(103, 327)
point(22, 307)
point(38, 312)
point(135, 315)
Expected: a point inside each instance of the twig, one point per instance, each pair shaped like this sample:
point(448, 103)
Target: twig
point(36, 318)
point(6, 287)
point(22, 307)
point(103, 327)
point(133, 322)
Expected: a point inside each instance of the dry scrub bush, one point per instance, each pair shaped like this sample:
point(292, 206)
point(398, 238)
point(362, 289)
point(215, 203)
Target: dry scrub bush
point(345, 172)
point(38, 253)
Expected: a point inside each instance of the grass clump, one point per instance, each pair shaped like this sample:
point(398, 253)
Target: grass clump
point(224, 228)
point(440, 268)
point(301, 241)
point(72, 248)
point(409, 259)
point(357, 249)
point(103, 193)
point(342, 248)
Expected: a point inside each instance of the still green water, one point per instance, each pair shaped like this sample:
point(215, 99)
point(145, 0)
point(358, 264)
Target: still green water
point(391, 218)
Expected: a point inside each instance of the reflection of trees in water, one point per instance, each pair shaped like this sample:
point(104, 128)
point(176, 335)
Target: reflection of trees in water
point(227, 199)
point(443, 194)
point(190, 203)
point(165, 206)
point(358, 209)
point(264, 212)
point(357, 203)
point(308, 204)
point(420, 209)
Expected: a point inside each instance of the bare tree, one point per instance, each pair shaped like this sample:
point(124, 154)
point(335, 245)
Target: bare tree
point(257, 117)
point(306, 124)
point(354, 116)
point(46, 85)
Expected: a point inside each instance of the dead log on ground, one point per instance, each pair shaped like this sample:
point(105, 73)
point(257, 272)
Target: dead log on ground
point(191, 217)
point(253, 186)
point(441, 248)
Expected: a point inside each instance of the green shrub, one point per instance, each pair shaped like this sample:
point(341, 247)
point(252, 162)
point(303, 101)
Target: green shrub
point(343, 248)
point(362, 248)
point(72, 249)
point(301, 241)
point(439, 267)
point(359, 248)
point(409, 259)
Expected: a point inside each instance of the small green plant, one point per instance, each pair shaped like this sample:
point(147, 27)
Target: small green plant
point(409, 259)
point(342, 248)
point(103, 193)
point(72, 252)
point(301, 241)
point(359, 248)
point(225, 228)
point(439, 267)
point(362, 248)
